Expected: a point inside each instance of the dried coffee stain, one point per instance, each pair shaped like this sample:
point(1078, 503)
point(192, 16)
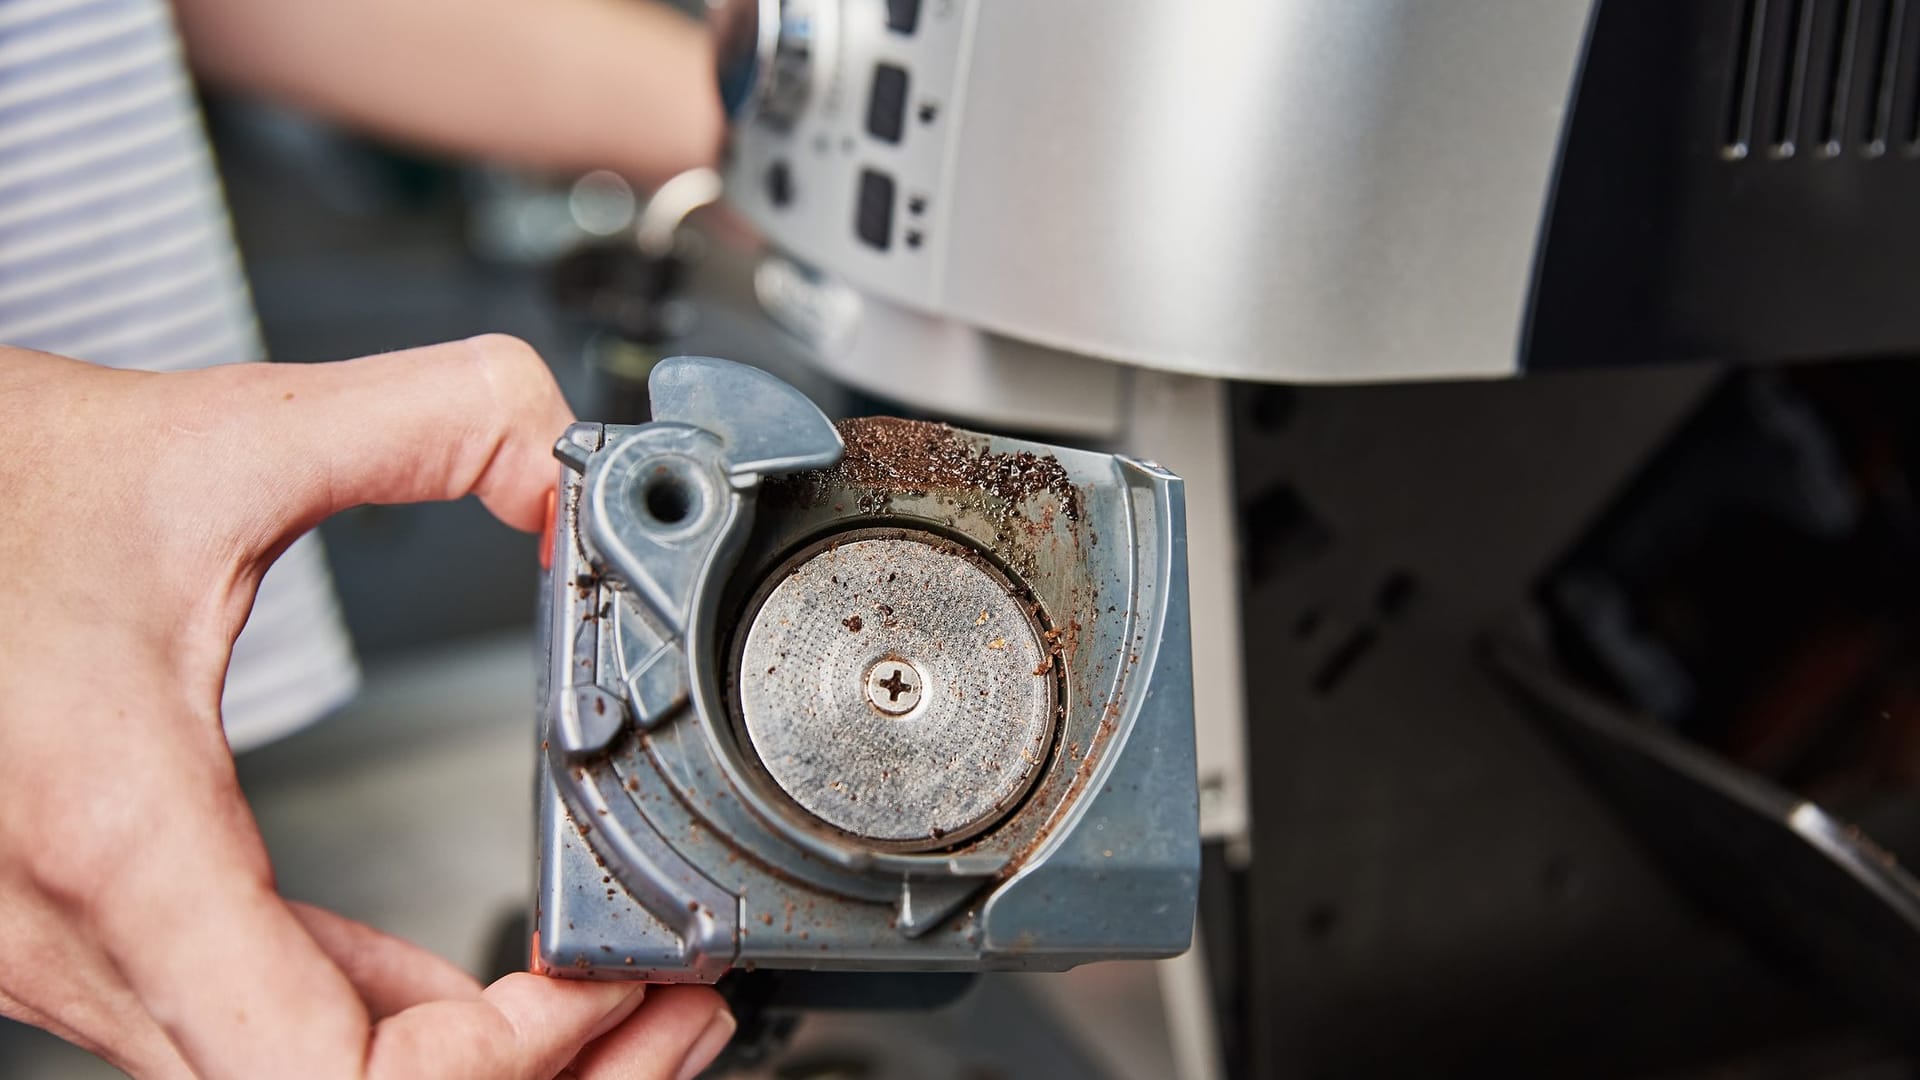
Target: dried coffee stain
point(1020, 511)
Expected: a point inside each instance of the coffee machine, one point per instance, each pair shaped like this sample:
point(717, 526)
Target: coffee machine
point(1152, 227)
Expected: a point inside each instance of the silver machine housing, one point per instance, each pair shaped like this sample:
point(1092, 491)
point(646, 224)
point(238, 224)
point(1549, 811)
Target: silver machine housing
point(1271, 190)
point(890, 696)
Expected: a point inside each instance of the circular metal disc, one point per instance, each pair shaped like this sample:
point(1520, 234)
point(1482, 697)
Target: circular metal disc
point(835, 659)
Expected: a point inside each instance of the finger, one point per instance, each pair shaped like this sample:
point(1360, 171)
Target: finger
point(79, 996)
point(389, 973)
point(523, 1026)
point(298, 442)
point(235, 980)
point(189, 917)
point(122, 1043)
point(124, 1037)
point(675, 1035)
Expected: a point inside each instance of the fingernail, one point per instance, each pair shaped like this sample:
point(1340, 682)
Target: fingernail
point(619, 1012)
point(718, 1032)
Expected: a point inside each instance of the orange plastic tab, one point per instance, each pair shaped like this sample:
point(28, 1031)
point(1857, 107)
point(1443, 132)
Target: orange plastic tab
point(546, 530)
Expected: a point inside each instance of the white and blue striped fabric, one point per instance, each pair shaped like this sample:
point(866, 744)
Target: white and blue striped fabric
point(115, 248)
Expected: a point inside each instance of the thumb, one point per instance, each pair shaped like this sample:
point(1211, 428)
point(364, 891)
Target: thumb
point(300, 442)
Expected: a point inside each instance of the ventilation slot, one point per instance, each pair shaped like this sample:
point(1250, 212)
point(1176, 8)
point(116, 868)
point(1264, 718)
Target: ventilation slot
point(1842, 57)
point(1822, 77)
point(1902, 78)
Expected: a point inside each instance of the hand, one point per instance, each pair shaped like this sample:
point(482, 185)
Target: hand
point(567, 85)
point(138, 916)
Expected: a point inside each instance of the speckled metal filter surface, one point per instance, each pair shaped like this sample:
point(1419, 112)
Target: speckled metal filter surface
point(852, 629)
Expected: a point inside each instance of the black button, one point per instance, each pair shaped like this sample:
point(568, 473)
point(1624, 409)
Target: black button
point(903, 15)
point(873, 219)
point(779, 183)
point(887, 105)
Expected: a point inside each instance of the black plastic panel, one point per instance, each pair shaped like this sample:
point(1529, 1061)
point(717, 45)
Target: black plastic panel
point(903, 15)
point(873, 211)
point(1741, 181)
point(887, 103)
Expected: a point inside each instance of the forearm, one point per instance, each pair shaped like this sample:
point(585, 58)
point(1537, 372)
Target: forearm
point(559, 84)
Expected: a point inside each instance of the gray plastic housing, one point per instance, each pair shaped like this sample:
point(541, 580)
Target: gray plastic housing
point(664, 854)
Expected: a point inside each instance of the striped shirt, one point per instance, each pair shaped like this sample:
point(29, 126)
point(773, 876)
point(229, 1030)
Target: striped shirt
point(115, 248)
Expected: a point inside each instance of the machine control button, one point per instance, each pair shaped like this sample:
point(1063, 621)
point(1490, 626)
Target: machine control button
point(903, 15)
point(765, 55)
point(873, 216)
point(887, 104)
point(780, 183)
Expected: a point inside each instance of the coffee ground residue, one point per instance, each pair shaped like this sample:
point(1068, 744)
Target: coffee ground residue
point(914, 455)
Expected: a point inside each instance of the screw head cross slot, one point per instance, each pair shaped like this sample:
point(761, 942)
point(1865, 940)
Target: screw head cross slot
point(894, 686)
